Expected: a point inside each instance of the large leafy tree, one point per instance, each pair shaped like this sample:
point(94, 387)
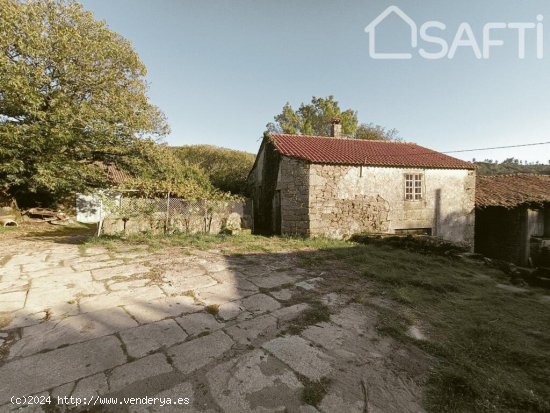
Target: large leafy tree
point(71, 91)
point(314, 118)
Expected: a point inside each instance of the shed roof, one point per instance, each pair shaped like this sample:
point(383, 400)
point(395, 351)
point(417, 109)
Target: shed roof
point(341, 151)
point(114, 175)
point(510, 191)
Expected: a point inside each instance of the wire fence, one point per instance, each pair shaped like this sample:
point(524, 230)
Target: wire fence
point(123, 212)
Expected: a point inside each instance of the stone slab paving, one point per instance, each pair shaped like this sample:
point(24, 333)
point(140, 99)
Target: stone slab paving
point(142, 340)
point(12, 301)
point(141, 369)
point(131, 322)
point(193, 355)
point(83, 327)
point(249, 331)
point(127, 270)
point(301, 356)
point(40, 372)
point(252, 380)
point(154, 309)
point(199, 323)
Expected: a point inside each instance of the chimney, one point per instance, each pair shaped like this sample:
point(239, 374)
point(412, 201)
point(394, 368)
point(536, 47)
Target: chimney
point(336, 128)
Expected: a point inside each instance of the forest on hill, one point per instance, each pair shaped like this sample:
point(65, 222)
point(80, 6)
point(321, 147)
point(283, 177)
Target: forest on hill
point(511, 166)
point(226, 168)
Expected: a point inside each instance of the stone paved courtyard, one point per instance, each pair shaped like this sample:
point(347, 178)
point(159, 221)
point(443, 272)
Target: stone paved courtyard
point(219, 329)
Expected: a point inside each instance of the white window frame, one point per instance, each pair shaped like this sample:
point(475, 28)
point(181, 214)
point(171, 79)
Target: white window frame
point(414, 186)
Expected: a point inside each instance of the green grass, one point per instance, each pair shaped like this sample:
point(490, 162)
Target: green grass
point(491, 346)
point(240, 243)
point(316, 313)
point(314, 391)
point(212, 309)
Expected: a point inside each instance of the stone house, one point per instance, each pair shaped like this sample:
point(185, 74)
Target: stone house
point(513, 218)
point(336, 187)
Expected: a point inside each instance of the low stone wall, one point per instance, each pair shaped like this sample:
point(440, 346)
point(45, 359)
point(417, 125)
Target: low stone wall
point(237, 215)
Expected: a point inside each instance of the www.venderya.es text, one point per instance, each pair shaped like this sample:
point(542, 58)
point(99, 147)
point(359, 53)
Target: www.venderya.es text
point(98, 401)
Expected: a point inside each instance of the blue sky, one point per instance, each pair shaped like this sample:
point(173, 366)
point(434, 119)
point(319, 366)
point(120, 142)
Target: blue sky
point(220, 70)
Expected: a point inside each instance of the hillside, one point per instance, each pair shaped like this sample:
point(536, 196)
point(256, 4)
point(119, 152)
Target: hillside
point(510, 166)
point(226, 168)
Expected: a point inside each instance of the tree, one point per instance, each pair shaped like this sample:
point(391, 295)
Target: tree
point(370, 131)
point(71, 91)
point(157, 170)
point(314, 118)
point(510, 166)
point(227, 169)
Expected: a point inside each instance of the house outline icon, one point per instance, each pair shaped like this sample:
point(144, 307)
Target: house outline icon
point(371, 30)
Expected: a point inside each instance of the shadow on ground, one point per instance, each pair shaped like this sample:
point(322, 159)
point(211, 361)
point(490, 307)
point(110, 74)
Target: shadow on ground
point(338, 329)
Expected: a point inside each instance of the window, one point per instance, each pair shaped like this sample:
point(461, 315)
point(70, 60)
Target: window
point(413, 187)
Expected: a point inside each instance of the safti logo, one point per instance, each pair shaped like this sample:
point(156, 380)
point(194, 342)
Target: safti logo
point(464, 38)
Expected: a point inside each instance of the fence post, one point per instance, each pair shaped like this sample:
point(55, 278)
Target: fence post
point(167, 213)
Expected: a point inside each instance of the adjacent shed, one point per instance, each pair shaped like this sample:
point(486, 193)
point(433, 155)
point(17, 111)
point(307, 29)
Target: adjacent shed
point(513, 218)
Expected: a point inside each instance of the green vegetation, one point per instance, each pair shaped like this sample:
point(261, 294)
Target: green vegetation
point(315, 118)
point(511, 166)
point(213, 309)
point(242, 243)
point(72, 92)
point(491, 346)
point(226, 169)
point(316, 313)
point(157, 170)
point(314, 391)
point(73, 97)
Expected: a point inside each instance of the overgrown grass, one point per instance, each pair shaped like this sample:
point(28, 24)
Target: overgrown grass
point(43, 229)
point(241, 243)
point(492, 345)
point(316, 313)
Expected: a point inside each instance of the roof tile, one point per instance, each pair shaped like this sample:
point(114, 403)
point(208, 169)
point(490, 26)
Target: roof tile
point(320, 149)
point(510, 191)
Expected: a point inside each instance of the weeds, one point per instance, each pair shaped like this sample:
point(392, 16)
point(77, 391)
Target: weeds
point(492, 346)
point(234, 244)
point(314, 391)
point(5, 319)
point(316, 313)
point(487, 360)
point(155, 275)
point(213, 309)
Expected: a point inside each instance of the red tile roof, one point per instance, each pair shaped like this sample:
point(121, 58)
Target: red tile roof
point(114, 175)
point(510, 191)
point(320, 149)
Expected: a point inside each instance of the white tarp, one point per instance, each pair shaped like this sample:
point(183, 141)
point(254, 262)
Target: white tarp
point(88, 208)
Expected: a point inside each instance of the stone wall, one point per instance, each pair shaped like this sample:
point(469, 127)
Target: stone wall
point(339, 201)
point(344, 200)
point(293, 184)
